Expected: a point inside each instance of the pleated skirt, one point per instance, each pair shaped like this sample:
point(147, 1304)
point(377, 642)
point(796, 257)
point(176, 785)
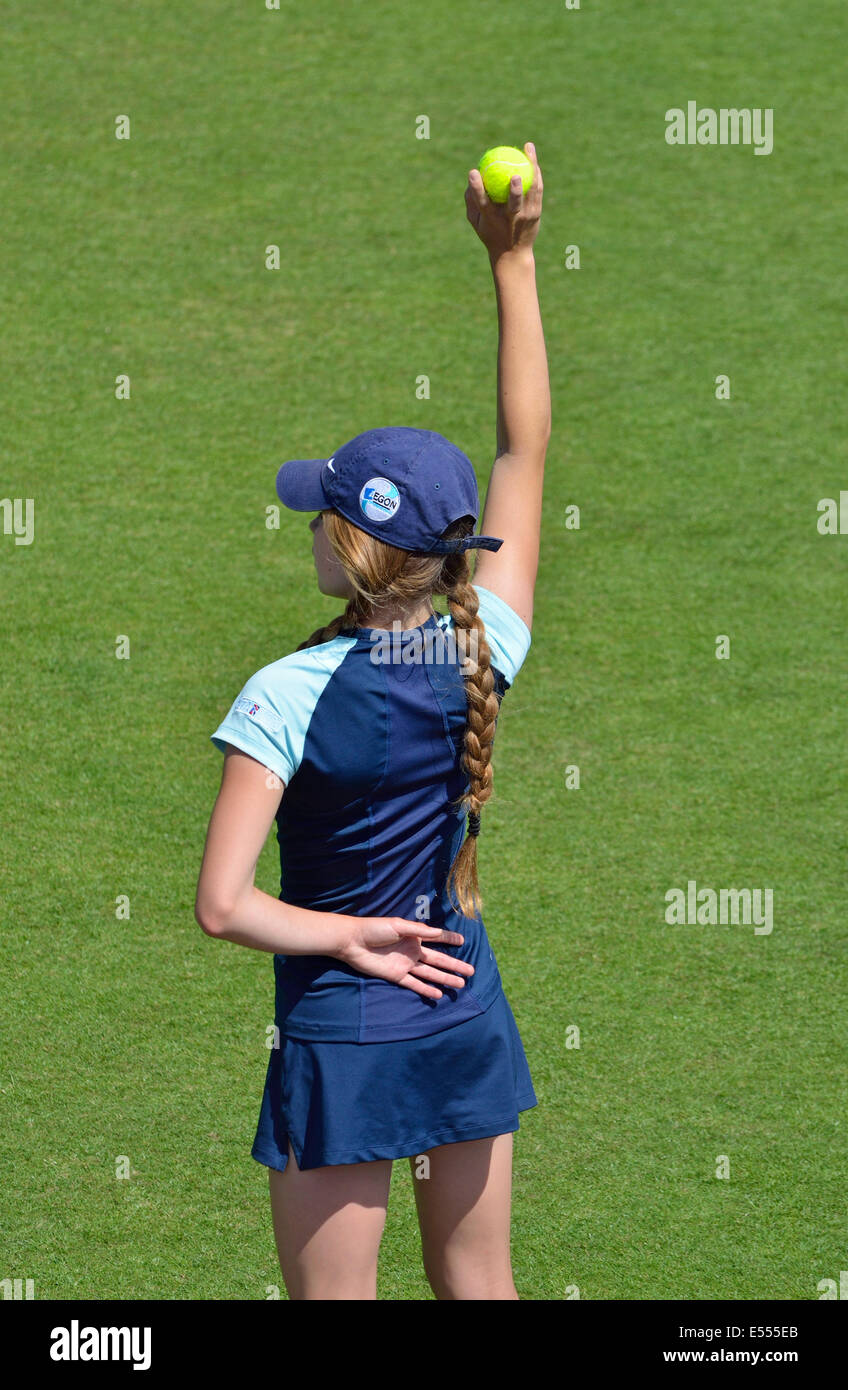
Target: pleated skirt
point(339, 1102)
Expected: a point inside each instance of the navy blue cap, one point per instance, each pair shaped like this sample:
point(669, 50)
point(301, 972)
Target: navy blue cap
point(404, 486)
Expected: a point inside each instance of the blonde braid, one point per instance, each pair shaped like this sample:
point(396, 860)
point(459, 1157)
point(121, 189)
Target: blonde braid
point(483, 706)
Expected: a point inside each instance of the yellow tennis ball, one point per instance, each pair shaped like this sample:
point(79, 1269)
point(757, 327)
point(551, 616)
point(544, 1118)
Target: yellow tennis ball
point(498, 166)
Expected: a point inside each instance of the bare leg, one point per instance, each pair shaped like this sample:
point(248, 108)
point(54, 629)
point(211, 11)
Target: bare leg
point(328, 1224)
point(464, 1216)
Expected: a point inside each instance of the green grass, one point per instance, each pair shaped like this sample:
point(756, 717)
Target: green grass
point(143, 1037)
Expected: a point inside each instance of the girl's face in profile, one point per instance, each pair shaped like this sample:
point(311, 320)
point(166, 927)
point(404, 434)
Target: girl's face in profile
point(332, 579)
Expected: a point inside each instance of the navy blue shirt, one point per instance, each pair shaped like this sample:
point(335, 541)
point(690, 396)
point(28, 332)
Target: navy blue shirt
point(366, 732)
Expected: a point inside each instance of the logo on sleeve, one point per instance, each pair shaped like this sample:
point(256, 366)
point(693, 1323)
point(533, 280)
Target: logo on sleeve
point(379, 499)
point(260, 714)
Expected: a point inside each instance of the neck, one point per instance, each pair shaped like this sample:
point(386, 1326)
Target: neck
point(384, 616)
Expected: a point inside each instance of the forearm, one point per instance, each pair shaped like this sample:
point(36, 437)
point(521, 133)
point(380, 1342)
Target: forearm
point(267, 924)
point(524, 396)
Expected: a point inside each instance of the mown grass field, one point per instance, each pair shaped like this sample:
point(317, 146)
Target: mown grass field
point(142, 1037)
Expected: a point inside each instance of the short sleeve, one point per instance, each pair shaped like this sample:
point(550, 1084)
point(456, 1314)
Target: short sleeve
point(270, 718)
point(507, 635)
point(257, 727)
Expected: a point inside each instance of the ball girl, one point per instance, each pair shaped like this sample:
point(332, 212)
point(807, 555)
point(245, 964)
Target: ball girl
point(371, 748)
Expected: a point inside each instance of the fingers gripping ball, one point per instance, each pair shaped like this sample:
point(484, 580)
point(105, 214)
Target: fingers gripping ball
point(497, 168)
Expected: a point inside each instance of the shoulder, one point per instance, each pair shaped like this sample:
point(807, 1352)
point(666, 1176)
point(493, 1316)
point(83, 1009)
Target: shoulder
point(300, 676)
point(300, 665)
point(508, 635)
point(271, 714)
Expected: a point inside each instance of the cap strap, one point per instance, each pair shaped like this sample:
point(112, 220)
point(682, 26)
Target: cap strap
point(452, 547)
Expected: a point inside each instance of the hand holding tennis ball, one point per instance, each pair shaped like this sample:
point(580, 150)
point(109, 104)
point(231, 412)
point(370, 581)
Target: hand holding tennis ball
point(498, 166)
point(503, 199)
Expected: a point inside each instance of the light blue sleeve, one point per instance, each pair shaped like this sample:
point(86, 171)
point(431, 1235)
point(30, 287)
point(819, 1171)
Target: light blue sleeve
point(508, 635)
point(270, 717)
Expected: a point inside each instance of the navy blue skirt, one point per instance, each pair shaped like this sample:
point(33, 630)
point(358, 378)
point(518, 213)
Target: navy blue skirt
point(339, 1102)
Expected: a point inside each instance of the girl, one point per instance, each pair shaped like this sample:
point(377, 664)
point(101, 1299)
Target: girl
point(371, 747)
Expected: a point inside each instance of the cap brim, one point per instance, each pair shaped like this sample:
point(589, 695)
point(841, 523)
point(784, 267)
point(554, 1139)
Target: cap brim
point(299, 485)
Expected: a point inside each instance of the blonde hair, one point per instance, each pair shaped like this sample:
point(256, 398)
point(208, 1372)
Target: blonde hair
point(381, 575)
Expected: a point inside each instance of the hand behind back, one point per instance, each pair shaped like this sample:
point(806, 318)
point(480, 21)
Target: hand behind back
point(391, 948)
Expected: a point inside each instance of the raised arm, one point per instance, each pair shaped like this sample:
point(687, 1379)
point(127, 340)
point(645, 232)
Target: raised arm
point(513, 507)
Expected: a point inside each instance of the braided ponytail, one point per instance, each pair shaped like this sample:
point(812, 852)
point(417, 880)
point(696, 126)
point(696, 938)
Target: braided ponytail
point(483, 706)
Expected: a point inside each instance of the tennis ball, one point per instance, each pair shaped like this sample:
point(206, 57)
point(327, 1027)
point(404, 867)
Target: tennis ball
point(498, 166)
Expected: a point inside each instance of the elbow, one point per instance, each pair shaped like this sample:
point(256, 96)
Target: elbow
point(212, 918)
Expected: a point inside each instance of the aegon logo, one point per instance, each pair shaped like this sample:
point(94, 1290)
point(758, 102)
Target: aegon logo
point(379, 499)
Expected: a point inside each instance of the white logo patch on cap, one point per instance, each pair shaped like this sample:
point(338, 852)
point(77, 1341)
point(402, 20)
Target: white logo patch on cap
point(379, 499)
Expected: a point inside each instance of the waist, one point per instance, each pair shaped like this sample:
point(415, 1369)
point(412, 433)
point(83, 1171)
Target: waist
point(320, 998)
